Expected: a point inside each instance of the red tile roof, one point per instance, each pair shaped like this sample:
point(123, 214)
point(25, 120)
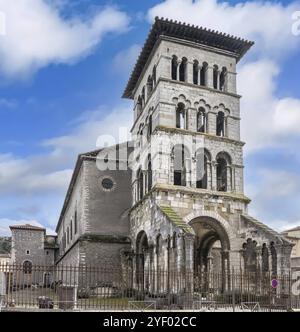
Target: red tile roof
point(28, 227)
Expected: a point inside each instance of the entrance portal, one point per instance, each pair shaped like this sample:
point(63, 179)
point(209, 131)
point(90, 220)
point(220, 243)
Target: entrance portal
point(211, 255)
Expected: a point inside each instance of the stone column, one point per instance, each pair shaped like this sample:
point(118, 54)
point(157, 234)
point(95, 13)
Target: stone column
point(199, 74)
point(214, 175)
point(209, 175)
point(189, 72)
point(189, 262)
point(229, 178)
point(210, 77)
point(178, 67)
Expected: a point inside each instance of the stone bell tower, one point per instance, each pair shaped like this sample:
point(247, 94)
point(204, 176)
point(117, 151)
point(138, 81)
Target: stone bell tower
point(189, 210)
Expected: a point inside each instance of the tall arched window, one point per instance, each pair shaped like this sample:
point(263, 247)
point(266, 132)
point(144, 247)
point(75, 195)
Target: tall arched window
point(149, 127)
point(222, 163)
point(265, 259)
point(250, 256)
point(201, 120)
point(149, 87)
point(221, 124)
point(149, 173)
point(196, 72)
point(154, 76)
point(274, 259)
point(183, 70)
point(140, 179)
point(181, 116)
point(139, 105)
point(223, 77)
point(174, 67)
point(143, 97)
point(27, 267)
point(179, 156)
point(215, 76)
point(203, 74)
point(202, 160)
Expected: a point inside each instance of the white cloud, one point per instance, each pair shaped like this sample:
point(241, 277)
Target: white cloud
point(269, 24)
point(267, 120)
point(124, 61)
point(36, 185)
point(38, 35)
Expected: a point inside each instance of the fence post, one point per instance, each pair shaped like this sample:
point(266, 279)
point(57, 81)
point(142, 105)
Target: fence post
point(233, 290)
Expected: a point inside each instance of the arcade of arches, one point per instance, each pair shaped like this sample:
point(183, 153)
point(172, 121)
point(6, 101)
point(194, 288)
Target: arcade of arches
point(206, 252)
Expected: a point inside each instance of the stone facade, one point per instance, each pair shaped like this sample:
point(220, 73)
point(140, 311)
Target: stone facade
point(168, 99)
point(32, 250)
point(94, 223)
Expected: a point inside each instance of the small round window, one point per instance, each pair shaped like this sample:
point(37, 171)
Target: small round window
point(107, 184)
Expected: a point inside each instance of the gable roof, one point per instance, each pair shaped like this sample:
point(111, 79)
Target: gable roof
point(92, 155)
point(169, 28)
point(27, 227)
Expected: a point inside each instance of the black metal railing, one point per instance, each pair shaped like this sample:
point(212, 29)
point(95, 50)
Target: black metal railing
point(96, 288)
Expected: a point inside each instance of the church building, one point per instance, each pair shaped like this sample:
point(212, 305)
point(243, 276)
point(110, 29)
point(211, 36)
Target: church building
point(180, 205)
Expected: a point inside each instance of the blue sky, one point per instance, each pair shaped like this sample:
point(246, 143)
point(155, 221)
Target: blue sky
point(64, 65)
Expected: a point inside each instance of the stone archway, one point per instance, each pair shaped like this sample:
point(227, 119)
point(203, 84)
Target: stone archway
point(211, 254)
point(142, 256)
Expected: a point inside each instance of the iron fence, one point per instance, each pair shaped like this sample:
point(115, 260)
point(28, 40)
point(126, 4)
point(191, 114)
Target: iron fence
point(96, 288)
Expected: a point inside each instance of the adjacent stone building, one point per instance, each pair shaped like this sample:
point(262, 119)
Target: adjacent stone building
point(93, 228)
point(31, 251)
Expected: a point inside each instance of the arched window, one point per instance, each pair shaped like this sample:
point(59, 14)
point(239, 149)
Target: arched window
point(183, 70)
point(179, 156)
point(149, 173)
point(180, 116)
point(221, 124)
point(174, 67)
point(140, 179)
point(149, 87)
point(201, 120)
point(223, 161)
point(265, 258)
point(202, 160)
point(274, 259)
point(203, 74)
point(27, 267)
point(143, 97)
point(223, 77)
point(150, 126)
point(139, 105)
point(250, 256)
point(215, 76)
point(196, 72)
point(154, 76)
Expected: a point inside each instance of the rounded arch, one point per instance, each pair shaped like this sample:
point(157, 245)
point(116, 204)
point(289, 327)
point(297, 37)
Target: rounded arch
point(174, 65)
point(223, 160)
point(141, 242)
point(224, 155)
point(211, 251)
point(203, 74)
point(27, 266)
point(196, 72)
point(215, 230)
point(183, 69)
